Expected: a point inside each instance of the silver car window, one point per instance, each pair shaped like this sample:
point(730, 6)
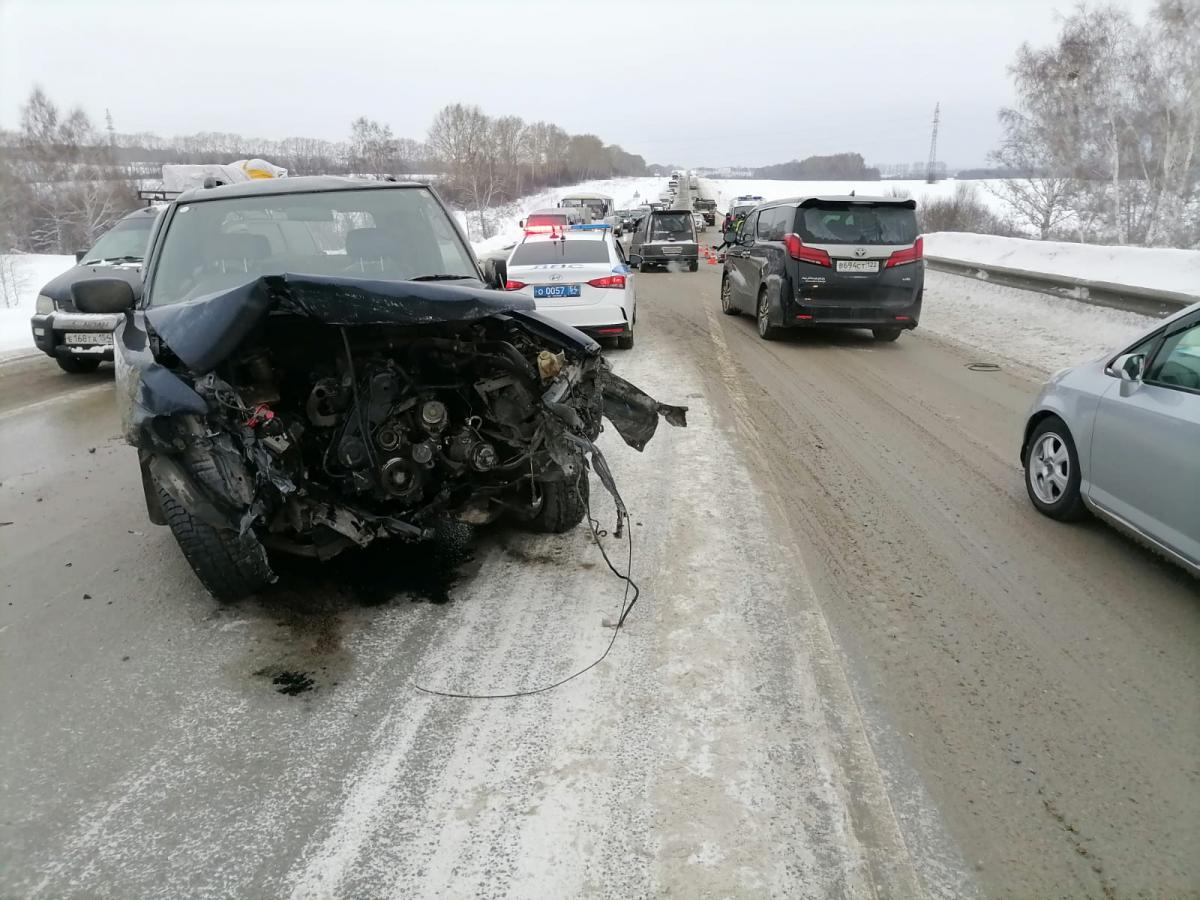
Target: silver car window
point(1177, 363)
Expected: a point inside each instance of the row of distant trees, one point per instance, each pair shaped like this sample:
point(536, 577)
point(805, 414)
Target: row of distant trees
point(63, 181)
point(835, 167)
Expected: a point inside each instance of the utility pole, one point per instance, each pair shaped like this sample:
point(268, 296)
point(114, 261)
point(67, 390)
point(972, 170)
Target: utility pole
point(112, 134)
point(931, 171)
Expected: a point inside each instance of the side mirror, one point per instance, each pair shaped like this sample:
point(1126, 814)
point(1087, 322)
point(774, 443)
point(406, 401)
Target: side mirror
point(520, 223)
point(745, 239)
point(730, 237)
point(102, 295)
point(1130, 366)
point(79, 255)
point(495, 274)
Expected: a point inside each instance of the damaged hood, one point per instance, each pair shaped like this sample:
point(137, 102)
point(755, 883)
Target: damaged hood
point(206, 331)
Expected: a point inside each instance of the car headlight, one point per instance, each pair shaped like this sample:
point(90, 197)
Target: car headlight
point(44, 305)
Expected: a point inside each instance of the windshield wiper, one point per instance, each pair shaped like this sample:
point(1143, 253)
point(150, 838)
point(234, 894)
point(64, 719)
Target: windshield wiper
point(442, 278)
point(92, 262)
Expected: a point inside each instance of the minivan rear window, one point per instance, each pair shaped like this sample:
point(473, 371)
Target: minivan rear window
point(543, 253)
point(671, 225)
point(856, 223)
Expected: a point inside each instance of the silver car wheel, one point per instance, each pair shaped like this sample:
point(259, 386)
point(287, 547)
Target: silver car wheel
point(1049, 468)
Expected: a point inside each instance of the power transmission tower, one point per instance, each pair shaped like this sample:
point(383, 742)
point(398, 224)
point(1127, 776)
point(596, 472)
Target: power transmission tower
point(931, 172)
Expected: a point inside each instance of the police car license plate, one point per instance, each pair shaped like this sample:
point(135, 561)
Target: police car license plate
point(858, 265)
point(88, 337)
point(554, 291)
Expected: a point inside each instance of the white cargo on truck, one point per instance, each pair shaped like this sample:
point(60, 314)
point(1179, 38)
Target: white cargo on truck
point(602, 207)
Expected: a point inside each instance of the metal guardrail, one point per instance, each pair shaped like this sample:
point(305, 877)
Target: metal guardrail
point(1145, 301)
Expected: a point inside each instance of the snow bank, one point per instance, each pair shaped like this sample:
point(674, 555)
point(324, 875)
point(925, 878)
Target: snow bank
point(1038, 330)
point(21, 277)
point(1148, 267)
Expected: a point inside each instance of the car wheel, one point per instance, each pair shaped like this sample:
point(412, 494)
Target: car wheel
point(232, 567)
point(625, 341)
point(766, 330)
point(727, 306)
point(886, 334)
point(1052, 471)
point(693, 266)
point(564, 504)
point(77, 365)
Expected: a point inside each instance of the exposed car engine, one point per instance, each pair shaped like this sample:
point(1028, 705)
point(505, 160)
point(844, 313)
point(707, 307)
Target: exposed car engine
point(301, 431)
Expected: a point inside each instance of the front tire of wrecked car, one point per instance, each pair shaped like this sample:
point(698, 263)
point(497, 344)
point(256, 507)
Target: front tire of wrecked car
point(77, 365)
point(230, 566)
point(564, 504)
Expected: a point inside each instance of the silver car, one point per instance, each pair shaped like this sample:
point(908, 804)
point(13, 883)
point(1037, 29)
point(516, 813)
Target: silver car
point(1120, 436)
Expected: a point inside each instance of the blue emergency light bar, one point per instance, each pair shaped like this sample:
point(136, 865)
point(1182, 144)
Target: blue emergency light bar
point(594, 226)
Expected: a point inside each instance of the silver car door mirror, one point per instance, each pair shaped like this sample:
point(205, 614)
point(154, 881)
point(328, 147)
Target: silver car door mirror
point(1130, 366)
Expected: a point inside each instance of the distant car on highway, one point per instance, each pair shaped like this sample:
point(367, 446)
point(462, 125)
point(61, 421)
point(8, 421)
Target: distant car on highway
point(844, 262)
point(579, 277)
point(665, 237)
point(699, 221)
point(1120, 436)
point(79, 341)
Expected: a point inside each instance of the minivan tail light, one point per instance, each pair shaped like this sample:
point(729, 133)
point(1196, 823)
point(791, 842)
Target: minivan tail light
point(797, 250)
point(908, 255)
point(513, 285)
point(609, 281)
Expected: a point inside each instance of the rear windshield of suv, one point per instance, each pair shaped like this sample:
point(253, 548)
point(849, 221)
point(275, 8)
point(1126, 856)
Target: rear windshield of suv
point(856, 223)
point(543, 253)
point(673, 224)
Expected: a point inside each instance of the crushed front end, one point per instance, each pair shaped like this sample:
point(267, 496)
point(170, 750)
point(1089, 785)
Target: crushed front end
point(311, 415)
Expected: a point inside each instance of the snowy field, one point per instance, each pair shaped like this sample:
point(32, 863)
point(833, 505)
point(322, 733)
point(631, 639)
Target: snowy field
point(21, 277)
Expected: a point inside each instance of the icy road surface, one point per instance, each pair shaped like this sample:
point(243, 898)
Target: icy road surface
point(861, 664)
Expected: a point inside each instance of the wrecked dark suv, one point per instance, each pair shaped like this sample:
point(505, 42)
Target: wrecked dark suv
point(317, 363)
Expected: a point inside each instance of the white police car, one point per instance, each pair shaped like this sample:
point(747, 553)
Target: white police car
point(579, 276)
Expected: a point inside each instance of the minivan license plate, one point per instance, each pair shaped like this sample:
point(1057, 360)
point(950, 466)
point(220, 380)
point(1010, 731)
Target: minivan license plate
point(858, 265)
point(554, 291)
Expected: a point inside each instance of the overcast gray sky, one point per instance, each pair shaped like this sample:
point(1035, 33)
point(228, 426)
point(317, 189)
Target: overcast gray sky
point(693, 82)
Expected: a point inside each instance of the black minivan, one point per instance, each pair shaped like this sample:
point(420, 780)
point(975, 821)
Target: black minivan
point(846, 262)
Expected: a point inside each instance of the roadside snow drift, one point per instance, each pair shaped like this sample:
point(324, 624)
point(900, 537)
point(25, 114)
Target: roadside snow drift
point(1156, 268)
point(21, 277)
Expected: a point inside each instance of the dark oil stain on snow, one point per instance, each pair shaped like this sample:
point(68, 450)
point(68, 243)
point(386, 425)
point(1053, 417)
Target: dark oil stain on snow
point(287, 681)
point(299, 625)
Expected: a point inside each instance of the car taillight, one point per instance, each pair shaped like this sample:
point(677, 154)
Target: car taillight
point(513, 285)
point(907, 255)
point(797, 250)
point(609, 281)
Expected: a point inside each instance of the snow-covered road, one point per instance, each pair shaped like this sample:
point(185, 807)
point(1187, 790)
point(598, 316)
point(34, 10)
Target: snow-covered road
point(861, 665)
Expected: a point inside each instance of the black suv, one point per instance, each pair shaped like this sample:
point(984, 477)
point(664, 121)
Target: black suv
point(850, 262)
point(665, 236)
point(315, 363)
